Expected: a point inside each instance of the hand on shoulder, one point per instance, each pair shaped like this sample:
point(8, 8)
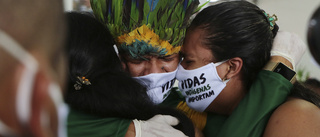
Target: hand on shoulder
point(296, 117)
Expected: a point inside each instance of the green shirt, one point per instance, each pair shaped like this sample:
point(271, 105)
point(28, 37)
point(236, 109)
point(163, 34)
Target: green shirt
point(251, 116)
point(248, 119)
point(86, 125)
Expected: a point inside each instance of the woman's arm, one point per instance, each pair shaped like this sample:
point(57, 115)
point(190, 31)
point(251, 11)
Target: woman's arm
point(296, 117)
point(131, 131)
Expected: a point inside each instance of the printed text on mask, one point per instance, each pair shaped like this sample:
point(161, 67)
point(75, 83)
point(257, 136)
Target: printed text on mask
point(190, 83)
point(167, 86)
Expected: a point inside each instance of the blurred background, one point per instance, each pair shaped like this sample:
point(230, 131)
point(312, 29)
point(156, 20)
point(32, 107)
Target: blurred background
point(293, 16)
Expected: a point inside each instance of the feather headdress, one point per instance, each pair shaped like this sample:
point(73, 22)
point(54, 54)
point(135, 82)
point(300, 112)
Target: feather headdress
point(142, 27)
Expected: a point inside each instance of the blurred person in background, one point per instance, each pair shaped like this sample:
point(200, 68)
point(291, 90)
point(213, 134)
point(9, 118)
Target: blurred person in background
point(314, 47)
point(314, 34)
point(32, 68)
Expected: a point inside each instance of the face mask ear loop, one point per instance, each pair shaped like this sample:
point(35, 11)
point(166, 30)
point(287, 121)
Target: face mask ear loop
point(24, 95)
point(116, 50)
point(180, 58)
point(219, 63)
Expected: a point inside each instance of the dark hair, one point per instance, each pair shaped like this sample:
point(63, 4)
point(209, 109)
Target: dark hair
point(92, 56)
point(237, 29)
point(312, 82)
point(112, 93)
point(299, 90)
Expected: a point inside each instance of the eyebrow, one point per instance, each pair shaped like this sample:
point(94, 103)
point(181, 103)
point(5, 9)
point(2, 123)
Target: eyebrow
point(165, 56)
point(181, 53)
point(186, 54)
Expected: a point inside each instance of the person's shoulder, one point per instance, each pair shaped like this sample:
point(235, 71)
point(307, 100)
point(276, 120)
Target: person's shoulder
point(295, 117)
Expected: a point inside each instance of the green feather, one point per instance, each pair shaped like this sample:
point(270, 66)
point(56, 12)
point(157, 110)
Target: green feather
point(167, 18)
point(134, 16)
point(201, 6)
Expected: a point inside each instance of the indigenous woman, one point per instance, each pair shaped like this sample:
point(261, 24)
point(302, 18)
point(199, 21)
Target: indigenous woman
point(224, 51)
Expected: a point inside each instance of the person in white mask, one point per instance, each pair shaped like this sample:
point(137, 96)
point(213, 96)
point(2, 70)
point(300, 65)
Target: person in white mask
point(32, 67)
point(225, 48)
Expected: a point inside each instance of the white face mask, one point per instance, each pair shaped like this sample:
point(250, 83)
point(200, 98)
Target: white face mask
point(25, 87)
point(158, 85)
point(200, 86)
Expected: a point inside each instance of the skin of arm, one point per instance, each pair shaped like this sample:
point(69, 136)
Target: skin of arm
point(131, 131)
point(282, 60)
point(296, 117)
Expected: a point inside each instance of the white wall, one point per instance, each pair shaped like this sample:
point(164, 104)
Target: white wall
point(294, 16)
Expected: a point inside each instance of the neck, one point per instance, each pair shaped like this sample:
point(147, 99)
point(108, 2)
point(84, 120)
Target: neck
point(229, 98)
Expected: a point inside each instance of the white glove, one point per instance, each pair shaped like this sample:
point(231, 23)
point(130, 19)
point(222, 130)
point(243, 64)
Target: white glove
point(289, 46)
point(158, 126)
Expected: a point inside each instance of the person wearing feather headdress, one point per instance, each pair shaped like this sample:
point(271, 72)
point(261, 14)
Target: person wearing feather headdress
point(149, 35)
point(100, 104)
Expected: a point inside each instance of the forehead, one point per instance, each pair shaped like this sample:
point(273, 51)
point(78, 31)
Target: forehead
point(194, 47)
point(148, 56)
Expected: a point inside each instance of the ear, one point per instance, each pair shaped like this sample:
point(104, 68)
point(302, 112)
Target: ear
point(43, 121)
point(234, 67)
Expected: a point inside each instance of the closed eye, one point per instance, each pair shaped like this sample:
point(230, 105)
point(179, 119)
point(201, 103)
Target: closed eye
point(135, 61)
point(188, 61)
point(167, 58)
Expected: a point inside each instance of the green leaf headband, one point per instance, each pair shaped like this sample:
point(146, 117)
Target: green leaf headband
point(272, 19)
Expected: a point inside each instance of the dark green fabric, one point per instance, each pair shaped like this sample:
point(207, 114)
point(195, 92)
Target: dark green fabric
point(173, 99)
point(251, 116)
point(248, 119)
point(85, 125)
